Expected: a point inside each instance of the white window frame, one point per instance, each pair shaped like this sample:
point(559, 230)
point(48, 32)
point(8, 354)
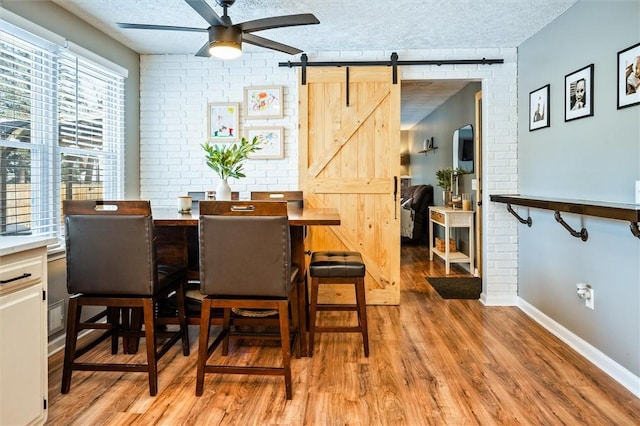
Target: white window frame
point(46, 152)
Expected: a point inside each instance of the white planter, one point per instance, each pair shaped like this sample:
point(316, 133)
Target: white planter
point(223, 191)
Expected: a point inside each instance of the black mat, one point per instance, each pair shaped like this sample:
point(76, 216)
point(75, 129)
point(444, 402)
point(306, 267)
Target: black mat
point(457, 287)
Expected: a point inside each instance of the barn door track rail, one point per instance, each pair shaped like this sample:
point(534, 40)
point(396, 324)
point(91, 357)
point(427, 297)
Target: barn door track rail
point(392, 62)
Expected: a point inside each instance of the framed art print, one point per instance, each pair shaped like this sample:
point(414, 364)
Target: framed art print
point(539, 108)
point(222, 122)
point(578, 94)
point(263, 102)
point(271, 141)
point(629, 76)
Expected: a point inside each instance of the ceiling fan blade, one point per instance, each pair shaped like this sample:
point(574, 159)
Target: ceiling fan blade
point(159, 27)
point(208, 13)
point(204, 51)
point(278, 22)
point(269, 44)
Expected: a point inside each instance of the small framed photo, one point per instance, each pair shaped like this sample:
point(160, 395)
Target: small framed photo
point(271, 140)
point(263, 102)
point(578, 94)
point(222, 122)
point(629, 76)
point(539, 108)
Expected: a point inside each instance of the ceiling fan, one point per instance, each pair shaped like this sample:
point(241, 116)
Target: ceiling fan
point(225, 38)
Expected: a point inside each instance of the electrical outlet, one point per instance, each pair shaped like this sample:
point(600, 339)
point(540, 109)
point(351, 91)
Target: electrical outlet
point(55, 317)
point(589, 303)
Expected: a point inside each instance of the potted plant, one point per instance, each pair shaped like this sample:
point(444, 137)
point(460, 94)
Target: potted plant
point(227, 161)
point(446, 177)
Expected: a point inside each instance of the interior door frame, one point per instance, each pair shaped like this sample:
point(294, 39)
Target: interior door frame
point(478, 184)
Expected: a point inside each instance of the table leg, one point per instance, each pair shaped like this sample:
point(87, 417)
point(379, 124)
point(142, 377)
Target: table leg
point(431, 238)
point(447, 262)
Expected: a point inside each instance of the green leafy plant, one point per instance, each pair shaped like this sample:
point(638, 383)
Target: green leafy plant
point(227, 159)
point(445, 176)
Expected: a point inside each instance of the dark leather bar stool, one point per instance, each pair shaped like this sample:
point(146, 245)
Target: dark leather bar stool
point(245, 270)
point(338, 267)
point(111, 262)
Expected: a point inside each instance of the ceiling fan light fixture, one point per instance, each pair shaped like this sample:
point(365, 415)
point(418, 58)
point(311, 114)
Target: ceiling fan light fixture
point(225, 50)
point(225, 37)
point(225, 42)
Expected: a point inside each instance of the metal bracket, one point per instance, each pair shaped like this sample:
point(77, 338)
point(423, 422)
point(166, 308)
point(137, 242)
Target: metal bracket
point(303, 63)
point(634, 229)
point(394, 64)
point(347, 85)
point(583, 234)
point(526, 221)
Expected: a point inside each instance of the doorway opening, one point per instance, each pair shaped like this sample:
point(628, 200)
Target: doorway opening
point(431, 111)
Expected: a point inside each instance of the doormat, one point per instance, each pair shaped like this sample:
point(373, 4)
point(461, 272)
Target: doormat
point(457, 287)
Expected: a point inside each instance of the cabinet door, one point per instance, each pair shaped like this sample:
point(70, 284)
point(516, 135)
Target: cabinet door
point(21, 357)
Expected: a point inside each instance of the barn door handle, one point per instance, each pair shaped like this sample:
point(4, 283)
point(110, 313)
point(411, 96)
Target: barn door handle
point(395, 197)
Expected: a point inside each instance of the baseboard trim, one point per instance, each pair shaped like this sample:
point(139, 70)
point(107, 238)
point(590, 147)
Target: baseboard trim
point(56, 345)
point(591, 353)
point(498, 300)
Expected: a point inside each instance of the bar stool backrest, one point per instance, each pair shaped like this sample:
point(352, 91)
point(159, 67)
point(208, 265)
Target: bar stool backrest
point(110, 247)
point(245, 249)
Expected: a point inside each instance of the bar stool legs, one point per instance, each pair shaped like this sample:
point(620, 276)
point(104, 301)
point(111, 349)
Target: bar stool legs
point(338, 267)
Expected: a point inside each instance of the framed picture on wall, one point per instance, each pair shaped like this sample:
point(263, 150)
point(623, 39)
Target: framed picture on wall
point(539, 108)
point(222, 122)
point(271, 141)
point(263, 102)
point(578, 94)
point(629, 76)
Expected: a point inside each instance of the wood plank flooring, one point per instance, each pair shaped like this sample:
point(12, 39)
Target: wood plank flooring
point(432, 362)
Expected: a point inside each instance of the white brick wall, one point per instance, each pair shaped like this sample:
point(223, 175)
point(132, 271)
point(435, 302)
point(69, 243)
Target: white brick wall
point(175, 90)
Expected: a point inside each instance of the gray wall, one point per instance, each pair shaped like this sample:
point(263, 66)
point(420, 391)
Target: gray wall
point(52, 17)
point(456, 112)
point(593, 158)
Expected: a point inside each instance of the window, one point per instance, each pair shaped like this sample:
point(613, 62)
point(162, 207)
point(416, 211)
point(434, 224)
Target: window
point(61, 132)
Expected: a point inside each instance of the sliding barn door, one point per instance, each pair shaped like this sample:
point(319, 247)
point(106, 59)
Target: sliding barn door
point(349, 150)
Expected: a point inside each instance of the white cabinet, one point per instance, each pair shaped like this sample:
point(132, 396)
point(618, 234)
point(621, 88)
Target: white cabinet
point(23, 332)
point(450, 219)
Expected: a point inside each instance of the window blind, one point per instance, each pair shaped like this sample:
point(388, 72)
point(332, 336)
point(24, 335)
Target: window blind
point(61, 132)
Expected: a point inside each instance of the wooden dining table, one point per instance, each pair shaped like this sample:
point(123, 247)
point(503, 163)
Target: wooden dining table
point(177, 243)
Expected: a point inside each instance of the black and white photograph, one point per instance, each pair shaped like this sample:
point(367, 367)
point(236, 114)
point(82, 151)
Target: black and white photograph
point(578, 88)
point(539, 108)
point(629, 76)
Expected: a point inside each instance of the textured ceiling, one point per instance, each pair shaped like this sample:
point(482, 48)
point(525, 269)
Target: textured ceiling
point(344, 25)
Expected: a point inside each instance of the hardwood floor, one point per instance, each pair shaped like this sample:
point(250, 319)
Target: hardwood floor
point(432, 362)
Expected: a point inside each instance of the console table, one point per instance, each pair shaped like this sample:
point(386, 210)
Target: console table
point(450, 218)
